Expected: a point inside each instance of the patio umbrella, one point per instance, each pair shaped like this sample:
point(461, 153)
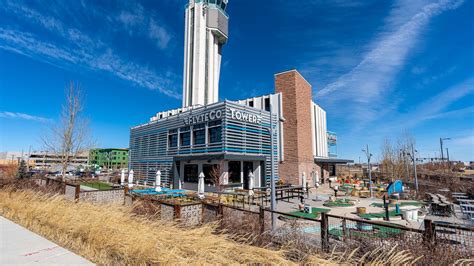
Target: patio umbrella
point(303, 177)
point(122, 177)
point(130, 178)
point(251, 181)
point(201, 185)
point(158, 181)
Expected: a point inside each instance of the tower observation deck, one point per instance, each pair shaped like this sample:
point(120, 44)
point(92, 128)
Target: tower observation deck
point(206, 31)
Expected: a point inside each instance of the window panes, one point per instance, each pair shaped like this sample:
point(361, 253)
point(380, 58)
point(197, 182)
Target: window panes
point(211, 173)
point(234, 172)
point(199, 134)
point(267, 104)
point(215, 132)
point(190, 174)
point(185, 136)
point(173, 138)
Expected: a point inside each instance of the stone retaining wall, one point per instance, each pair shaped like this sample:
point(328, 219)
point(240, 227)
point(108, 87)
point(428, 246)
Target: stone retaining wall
point(103, 196)
point(70, 192)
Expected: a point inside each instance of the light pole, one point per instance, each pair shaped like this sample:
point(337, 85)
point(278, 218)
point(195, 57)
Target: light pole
point(441, 140)
point(369, 155)
point(413, 158)
point(405, 154)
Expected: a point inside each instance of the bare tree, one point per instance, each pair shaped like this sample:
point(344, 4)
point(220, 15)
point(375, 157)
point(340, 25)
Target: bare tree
point(216, 176)
point(70, 137)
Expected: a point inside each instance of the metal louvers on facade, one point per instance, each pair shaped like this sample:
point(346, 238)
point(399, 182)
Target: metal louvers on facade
point(149, 149)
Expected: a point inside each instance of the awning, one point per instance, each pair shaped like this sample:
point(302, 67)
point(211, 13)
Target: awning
point(219, 156)
point(332, 160)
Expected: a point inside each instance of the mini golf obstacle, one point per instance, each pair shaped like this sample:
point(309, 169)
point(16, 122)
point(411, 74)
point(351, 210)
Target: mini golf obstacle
point(339, 203)
point(316, 212)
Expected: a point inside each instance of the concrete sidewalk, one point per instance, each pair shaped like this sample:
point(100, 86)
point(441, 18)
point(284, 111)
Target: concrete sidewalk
point(19, 246)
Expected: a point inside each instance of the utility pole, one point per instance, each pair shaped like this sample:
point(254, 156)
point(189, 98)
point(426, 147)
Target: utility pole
point(405, 162)
point(369, 155)
point(413, 158)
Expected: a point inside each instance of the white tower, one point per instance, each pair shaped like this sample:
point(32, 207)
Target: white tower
point(206, 31)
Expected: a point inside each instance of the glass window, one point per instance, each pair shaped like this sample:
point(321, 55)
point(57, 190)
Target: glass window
point(234, 172)
point(199, 134)
point(267, 104)
point(212, 1)
point(173, 138)
point(251, 103)
point(185, 136)
point(190, 174)
point(215, 132)
point(211, 173)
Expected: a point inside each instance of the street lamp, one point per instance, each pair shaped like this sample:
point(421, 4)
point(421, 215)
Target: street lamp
point(369, 155)
point(413, 158)
point(405, 154)
point(441, 140)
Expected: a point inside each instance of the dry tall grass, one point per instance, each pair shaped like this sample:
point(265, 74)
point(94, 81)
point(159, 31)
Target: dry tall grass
point(114, 235)
point(117, 235)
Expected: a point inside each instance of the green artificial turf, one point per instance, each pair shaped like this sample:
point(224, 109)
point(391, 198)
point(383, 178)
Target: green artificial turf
point(338, 203)
point(378, 215)
point(314, 215)
point(97, 185)
point(406, 203)
point(378, 232)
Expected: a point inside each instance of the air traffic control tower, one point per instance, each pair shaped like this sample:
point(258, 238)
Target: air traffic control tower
point(206, 31)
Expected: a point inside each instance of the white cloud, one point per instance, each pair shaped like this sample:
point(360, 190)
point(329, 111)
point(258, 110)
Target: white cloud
point(76, 49)
point(467, 141)
point(368, 85)
point(434, 107)
point(159, 34)
point(13, 115)
point(137, 20)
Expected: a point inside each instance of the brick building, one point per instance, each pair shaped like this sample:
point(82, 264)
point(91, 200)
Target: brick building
point(304, 137)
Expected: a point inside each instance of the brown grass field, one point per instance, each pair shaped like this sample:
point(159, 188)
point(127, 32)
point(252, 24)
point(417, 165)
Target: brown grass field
point(114, 235)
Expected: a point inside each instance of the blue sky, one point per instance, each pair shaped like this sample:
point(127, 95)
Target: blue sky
point(379, 68)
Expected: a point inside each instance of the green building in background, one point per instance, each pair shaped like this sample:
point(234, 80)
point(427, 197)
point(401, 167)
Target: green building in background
point(109, 158)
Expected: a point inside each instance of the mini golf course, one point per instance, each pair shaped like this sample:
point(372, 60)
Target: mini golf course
point(401, 204)
point(314, 215)
point(377, 231)
point(339, 203)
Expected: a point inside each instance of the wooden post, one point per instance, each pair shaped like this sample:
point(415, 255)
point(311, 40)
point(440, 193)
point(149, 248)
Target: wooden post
point(324, 232)
point(344, 230)
point(430, 234)
point(261, 219)
point(77, 192)
point(220, 210)
point(177, 211)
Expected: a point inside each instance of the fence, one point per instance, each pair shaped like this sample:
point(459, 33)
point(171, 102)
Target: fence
point(331, 230)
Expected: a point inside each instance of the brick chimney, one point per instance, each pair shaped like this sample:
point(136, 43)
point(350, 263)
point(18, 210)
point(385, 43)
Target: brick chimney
point(297, 134)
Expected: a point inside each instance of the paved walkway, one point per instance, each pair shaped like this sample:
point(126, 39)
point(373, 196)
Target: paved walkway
point(19, 246)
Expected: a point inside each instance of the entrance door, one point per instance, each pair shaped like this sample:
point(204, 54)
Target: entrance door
point(248, 168)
